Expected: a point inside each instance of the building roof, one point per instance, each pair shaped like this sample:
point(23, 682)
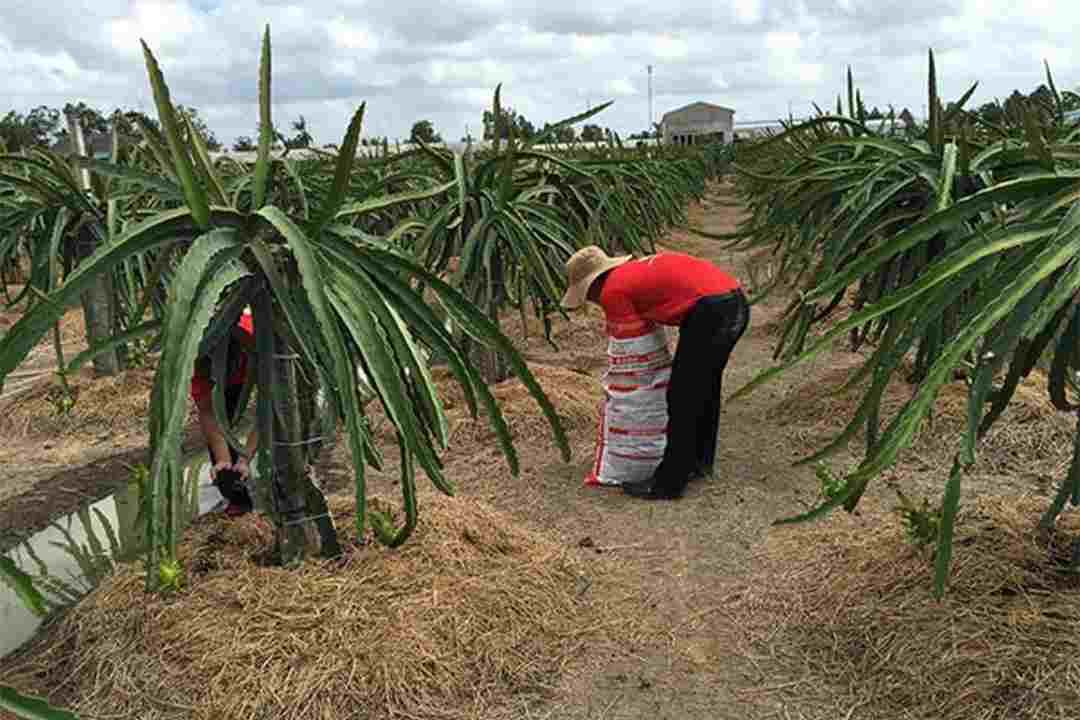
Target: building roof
point(694, 106)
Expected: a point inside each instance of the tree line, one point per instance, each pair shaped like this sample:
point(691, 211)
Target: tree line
point(47, 126)
point(1000, 112)
point(510, 122)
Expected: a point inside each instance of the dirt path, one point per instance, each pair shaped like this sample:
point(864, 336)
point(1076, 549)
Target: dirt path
point(686, 552)
point(685, 556)
point(689, 556)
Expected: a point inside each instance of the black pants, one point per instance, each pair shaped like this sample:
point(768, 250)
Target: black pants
point(228, 482)
point(706, 338)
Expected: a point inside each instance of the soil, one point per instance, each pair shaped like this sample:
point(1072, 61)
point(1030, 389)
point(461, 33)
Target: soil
point(686, 556)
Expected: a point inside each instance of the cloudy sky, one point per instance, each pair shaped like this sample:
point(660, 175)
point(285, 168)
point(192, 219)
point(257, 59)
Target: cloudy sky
point(413, 59)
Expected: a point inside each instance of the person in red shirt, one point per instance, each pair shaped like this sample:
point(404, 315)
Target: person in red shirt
point(229, 469)
point(712, 313)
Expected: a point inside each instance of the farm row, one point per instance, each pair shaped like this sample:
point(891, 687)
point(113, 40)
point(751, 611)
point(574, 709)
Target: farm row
point(956, 247)
point(371, 265)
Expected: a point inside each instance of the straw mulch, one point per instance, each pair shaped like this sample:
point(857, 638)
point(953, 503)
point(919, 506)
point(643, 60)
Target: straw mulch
point(1030, 438)
point(841, 614)
point(113, 405)
point(580, 342)
point(72, 326)
point(474, 617)
point(576, 398)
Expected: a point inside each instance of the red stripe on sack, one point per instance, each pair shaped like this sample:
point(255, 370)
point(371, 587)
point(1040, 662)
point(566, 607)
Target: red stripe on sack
point(636, 388)
point(640, 432)
point(637, 457)
point(627, 359)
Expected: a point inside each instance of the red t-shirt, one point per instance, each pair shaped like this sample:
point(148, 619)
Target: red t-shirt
point(201, 386)
point(660, 288)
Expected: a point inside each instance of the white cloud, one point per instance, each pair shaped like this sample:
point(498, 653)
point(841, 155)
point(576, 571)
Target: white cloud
point(165, 26)
point(482, 73)
point(349, 36)
point(620, 87)
point(591, 46)
point(410, 59)
point(668, 47)
point(783, 43)
point(747, 12)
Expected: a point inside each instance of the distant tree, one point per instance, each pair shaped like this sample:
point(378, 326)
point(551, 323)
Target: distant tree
point(1014, 108)
point(875, 114)
point(127, 121)
point(277, 139)
point(564, 134)
point(45, 126)
point(991, 112)
point(37, 127)
point(244, 144)
point(301, 137)
point(92, 121)
point(1041, 101)
point(191, 114)
point(510, 118)
point(592, 133)
point(908, 119)
point(424, 131)
point(523, 128)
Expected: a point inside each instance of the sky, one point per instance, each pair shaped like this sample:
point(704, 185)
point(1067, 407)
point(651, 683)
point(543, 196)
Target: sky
point(418, 59)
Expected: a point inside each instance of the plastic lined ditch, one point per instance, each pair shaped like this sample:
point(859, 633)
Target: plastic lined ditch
point(75, 553)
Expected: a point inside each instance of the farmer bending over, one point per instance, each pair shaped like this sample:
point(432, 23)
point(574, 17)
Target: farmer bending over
point(711, 311)
point(229, 468)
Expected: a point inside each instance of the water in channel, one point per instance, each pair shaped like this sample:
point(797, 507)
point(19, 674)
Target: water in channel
point(74, 553)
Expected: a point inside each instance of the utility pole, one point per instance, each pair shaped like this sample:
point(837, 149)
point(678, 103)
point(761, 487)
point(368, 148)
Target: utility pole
point(649, 127)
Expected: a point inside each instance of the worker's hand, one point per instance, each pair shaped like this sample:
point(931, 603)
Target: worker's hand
point(218, 467)
point(242, 468)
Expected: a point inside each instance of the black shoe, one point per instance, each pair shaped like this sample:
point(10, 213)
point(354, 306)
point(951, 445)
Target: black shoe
point(701, 472)
point(649, 489)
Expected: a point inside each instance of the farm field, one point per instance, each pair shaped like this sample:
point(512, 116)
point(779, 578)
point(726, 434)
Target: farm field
point(716, 610)
point(383, 364)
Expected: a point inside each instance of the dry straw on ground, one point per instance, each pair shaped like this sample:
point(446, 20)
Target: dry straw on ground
point(112, 405)
point(576, 398)
point(1030, 438)
point(475, 617)
point(842, 615)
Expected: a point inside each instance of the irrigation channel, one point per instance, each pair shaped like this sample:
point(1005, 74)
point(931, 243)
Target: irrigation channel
point(74, 553)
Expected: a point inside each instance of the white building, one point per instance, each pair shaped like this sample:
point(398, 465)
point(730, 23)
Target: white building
point(698, 123)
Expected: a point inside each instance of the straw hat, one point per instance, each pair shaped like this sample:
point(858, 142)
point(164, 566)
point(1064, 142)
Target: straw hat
point(583, 268)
